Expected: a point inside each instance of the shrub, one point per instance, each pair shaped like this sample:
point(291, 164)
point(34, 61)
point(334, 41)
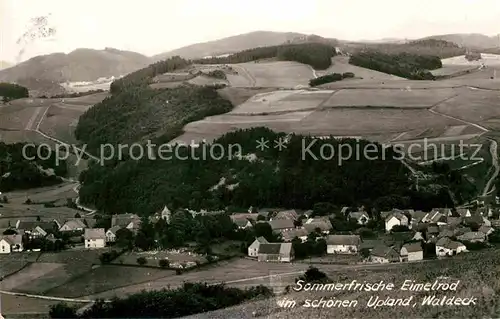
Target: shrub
point(164, 263)
point(347, 75)
point(142, 261)
point(62, 310)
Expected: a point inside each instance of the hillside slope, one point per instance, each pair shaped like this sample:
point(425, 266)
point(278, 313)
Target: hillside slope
point(79, 65)
point(231, 44)
point(471, 40)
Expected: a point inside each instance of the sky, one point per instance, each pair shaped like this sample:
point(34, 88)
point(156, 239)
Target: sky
point(154, 26)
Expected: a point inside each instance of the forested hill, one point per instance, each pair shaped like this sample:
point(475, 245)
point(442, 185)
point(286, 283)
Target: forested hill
point(269, 178)
point(18, 172)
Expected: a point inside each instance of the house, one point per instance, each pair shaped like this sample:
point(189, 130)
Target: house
point(11, 243)
point(487, 230)
point(129, 221)
point(384, 254)
point(343, 244)
point(36, 229)
point(453, 221)
point(94, 238)
point(395, 219)
point(431, 231)
point(75, 224)
point(447, 247)
point(464, 212)
point(164, 214)
point(473, 237)
point(253, 249)
point(242, 223)
point(289, 235)
point(462, 230)
point(280, 252)
point(412, 252)
point(418, 236)
point(244, 216)
point(433, 217)
point(111, 234)
point(282, 224)
point(287, 214)
point(361, 217)
point(443, 211)
point(370, 244)
point(323, 224)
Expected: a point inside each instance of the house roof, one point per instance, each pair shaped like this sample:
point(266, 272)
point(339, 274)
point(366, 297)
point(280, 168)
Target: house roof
point(270, 248)
point(289, 235)
point(243, 216)
point(30, 225)
point(384, 251)
point(75, 223)
point(285, 249)
point(433, 230)
point(472, 236)
point(358, 215)
point(453, 221)
point(90, 222)
point(287, 214)
point(463, 211)
point(413, 247)
point(277, 224)
point(262, 240)
point(400, 216)
point(370, 244)
point(462, 230)
point(448, 243)
point(114, 229)
point(241, 222)
point(123, 219)
point(351, 240)
point(323, 225)
point(485, 229)
point(95, 233)
point(13, 239)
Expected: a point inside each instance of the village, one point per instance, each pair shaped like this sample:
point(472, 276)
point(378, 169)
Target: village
point(387, 237)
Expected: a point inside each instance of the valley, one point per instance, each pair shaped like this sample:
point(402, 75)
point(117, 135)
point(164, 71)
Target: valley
point(460, 107)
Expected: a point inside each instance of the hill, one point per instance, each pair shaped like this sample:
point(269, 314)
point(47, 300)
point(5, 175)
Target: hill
point(232, 44)
point(79, 65)
point(470, 40)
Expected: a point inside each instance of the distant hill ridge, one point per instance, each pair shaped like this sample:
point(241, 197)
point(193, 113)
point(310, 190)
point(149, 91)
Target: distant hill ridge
point(470, 40)
point(239, 43)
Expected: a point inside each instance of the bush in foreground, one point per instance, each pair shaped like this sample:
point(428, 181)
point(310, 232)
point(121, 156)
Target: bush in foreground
point(192, 298)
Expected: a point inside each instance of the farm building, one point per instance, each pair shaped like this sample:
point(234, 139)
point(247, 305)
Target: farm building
point(384, 254)
point(473, 237)
point(447, 247)
point(343, 244)
point(282, 224)
point(95, 238)
point(412, 252)
point(253, 249)
point(111, 234)
point(11, 243)
point(130, 221)
point(280, 252)
point(395, 219)
point(75, 224)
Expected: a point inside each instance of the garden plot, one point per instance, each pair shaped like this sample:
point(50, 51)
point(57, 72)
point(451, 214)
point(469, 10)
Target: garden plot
point(28, 274)
point(153, 258)
point(388, 98)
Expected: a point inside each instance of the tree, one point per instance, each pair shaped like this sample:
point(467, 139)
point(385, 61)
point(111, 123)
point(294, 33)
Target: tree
point(5, 199)
point(365, 252)
point(77, 215)
point(142, 261)
point(314, 275)
point(28, 201)
point(38, 218)
point(10, 231)
point(124, 238)
point(164, 263)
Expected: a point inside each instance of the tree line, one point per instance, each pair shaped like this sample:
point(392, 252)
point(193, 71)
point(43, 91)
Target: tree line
point(406, 65)
point(332, 77)
point(18, 172)
point(11, 91)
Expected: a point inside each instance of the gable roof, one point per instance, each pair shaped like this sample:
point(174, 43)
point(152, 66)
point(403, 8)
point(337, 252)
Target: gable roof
point(31, 225)
point(350, 240)
point(323, 225)
point(269, 248)
point(485, 229)
point(400, 216)
point(285, 249)
point(472, 236)
point(241, 222)
point(95, 233)
point(13, 239)
point(90, 222)
point(277, 224)
point(243, 216)
point(114, 229)
point(291, 234)
point(74, 223)
point(124, 220)
point(358, 215)
point(287, 214)
point(262, 240)
point(413, 247)
point(384, 251)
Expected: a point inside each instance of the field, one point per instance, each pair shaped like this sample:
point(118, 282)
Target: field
point(153, 258)
point(25, 307)
point(280, 74)
point(14, 262)
point(389, 98)
point(341, 65)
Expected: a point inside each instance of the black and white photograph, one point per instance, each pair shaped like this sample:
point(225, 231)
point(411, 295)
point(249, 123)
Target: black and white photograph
point(212, 159)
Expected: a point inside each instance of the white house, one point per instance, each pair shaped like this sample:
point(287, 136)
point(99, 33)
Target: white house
point(464, 212)
point(75, 224)
point(343, 244)
point(412, 252)
point(447, 247)
point(111, 234)
point(395, 219)
point(253, 249)
point(383, 254)
point(95, 238)
point(361, 217)
point(11, 243)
